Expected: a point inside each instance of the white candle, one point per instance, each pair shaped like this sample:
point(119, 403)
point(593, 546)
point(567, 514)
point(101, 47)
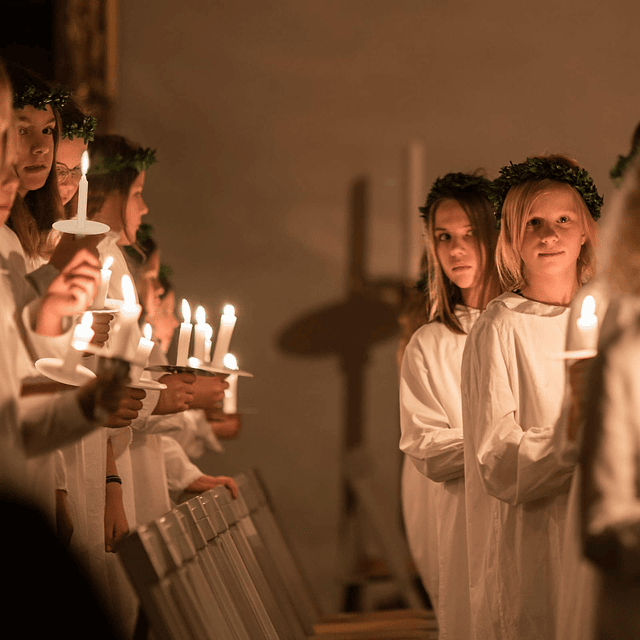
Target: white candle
point(200, 335)
point(126, 331)
point(208, 334)
point(82, 336)
point(588, 324)
point(145, 346)
point(103, 287)
point(230, 402)
point(184, 337)
point(83, 189)
point(223, 339)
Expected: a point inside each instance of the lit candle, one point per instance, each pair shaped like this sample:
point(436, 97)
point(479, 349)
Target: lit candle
point(223, 339)
point(83, 189)
point(82, 335)
point(230, 402)
point(126, 331)
point(588, 324)
point(103, 287)
point(145, 346)
point(185, 335)
point(208, 334)
point(200, 335)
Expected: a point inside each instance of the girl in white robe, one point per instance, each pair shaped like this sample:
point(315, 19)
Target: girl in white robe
point(460, 241)
point(512, 391)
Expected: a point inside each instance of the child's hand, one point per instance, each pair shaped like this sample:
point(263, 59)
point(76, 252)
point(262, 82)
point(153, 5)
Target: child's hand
point(115, 519)
point(100, 328)
point(68, 247)
point(208, 392)
point(178, 394)
point(70, 292)
point(129, 406)
point(225, 426)
point(206, 483)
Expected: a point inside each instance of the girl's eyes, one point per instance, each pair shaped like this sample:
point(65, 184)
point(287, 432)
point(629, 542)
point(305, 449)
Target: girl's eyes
point(48, 131)
point(563, 219)
point(534, 222)
point(443, 237)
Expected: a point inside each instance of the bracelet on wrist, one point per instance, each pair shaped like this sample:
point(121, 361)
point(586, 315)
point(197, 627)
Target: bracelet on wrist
point(114, 478)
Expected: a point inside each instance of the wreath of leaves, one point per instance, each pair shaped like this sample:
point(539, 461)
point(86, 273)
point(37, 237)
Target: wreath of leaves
point(31, 96)
point(86, 130)
point(140, 161)
point(546, 169)
point(452, 185)
point(617, 172)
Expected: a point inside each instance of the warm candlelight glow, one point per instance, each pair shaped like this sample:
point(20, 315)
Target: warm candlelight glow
point(147, 331)
point(83, 332)
point(230, 361)
point(107, 263)
point(201, 316)
point(84, 163)
point(186, 311)
point(587, 313)
point(229, 312)
point(208, 332)
point(194, 363)
point(128, 292)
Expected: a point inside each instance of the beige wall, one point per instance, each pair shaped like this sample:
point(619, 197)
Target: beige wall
point(264, 113)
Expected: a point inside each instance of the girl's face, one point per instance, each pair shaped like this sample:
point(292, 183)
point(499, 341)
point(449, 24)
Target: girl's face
point(135, 208)
point(8, 177)
point(150, 288)
point(553, 236)
point(165, 322)
point(36, 129)
point(457, 248)
point(68, 159)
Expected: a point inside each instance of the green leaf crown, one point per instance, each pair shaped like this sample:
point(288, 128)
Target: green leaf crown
point(31, 96)
point(455, 184)
point(140, 161)
point(617, 172)
point(86, 130)
point(541, 168)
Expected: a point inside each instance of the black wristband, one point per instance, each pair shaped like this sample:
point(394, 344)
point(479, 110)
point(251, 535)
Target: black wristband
point(117, 479)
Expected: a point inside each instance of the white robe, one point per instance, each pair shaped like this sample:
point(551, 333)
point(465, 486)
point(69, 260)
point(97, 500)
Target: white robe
point(516, 486)
point(431, 424)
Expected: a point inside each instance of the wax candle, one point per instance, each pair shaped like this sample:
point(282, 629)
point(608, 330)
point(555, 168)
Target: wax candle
point(200, 335)
point(83, 189)
point(82, 335)
point(208, 334)
point(126, 332)
point(140, 359)
point(103, 287)
point(230, 402)
point(588, 324)
point(184, 337)
point(223, 339)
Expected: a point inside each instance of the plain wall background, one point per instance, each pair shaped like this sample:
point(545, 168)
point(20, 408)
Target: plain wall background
point(263, 114)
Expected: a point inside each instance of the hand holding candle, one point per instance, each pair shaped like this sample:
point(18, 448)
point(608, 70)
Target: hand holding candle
point(223, 339)
point(230, 402)
point(82, 335)
point(184, 338)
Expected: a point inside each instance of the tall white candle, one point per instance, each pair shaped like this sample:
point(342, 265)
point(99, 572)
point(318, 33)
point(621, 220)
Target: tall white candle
point(208, 334)
point(184, 338)
point(103, 287)
point(140, 359)
point(200, 335)
point(588, 324)
point(126, 332)
point(83, 189)
point(82, 336)
point(230, 402)
point(223, 339)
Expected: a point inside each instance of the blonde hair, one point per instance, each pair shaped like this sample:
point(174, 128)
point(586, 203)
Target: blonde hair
point(442, 294)
point(516, 209)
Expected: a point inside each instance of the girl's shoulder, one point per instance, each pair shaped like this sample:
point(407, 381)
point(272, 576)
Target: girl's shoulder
point(513, 307)
point(438, 333)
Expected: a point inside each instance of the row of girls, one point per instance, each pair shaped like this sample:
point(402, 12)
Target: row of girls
point(508, 540)
point(99, 460)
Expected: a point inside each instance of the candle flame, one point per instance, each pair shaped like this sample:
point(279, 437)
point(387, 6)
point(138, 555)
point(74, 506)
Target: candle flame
point(147, 331)
point(194, 362)
point(229, 311)
point(208, 331)
point(201, 316)
point(128, 292)
point(230, 361)
point(588, 307)
point(186, 311)
point(85, 163)
point(87, 319)
point(107, 263)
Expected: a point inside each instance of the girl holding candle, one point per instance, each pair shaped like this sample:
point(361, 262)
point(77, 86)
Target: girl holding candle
point(460, 241)
point(512, 393)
